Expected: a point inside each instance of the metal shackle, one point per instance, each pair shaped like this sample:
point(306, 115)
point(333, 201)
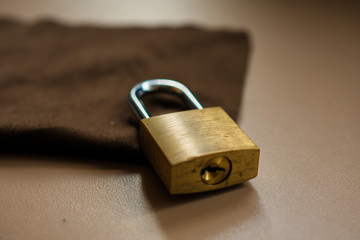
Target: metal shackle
point(159, 85)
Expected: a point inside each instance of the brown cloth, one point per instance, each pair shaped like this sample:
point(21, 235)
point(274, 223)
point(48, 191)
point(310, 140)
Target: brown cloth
point(64, 90)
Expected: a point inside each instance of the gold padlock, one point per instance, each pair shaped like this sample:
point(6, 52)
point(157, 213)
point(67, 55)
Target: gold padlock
point(195, 150)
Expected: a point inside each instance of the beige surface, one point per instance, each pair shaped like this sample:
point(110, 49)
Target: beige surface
point(301, 106)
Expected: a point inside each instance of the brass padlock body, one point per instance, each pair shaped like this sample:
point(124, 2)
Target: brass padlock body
point(180, 145)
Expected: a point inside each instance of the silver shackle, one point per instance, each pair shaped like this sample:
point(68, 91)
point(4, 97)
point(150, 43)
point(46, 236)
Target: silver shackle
point(159, 85)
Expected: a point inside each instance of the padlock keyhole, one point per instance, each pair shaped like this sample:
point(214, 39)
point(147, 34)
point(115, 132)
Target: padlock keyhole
point(215, 170)
point(212, 169)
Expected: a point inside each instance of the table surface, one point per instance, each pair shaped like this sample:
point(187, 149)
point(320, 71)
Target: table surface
point(300, 105)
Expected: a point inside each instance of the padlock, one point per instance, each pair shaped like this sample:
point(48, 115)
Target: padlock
point(197, 150)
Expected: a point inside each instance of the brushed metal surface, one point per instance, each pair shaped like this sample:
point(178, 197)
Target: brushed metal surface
point(179, 144)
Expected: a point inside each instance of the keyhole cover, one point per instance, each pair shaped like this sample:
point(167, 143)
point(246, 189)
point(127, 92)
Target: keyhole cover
point(215, 170)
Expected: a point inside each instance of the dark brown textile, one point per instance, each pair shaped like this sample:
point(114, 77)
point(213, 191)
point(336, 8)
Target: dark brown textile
point(63, 90)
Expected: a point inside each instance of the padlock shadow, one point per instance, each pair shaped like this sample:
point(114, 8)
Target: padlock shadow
point(200, 215)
